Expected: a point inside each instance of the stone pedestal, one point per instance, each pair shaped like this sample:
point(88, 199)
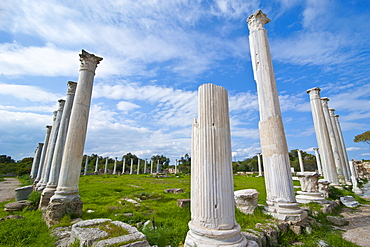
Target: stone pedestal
point(36, 161)
point(43, 154)
point(259, 165)
point(212, 203)
point(322, 136)
point(281, 202)
point(309, 188)
point(246, 200)
point(66, 196)
point(318, 161)
point(324, 187)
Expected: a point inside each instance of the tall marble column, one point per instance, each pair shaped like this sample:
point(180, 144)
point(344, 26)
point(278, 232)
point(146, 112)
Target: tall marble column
point(138, 166)
point(115, 166)
point(176, 166)
point(151, 166)
point(145, 161)
point(123, 165)
point(158, 167)
point(212, 189)
point(43, 154)
point(66, 197)
point(322, 136)
point(281, 202)
point(318, 161)
point(96, 165)
point(301, 166)
point(259, 165)
point(36, 161)
point(59, 147)
point(132, 163)
point(52, 144)
point(86, 165)
point(333, 140)
point(106, 166)
point(341, 149)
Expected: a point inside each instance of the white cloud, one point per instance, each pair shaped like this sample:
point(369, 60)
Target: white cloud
point(28, 93)
point(354, 148)
point(126, 106)
point(365, 154)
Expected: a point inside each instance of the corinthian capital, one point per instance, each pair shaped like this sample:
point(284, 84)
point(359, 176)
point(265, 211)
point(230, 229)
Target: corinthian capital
point(89, 61)
point(61, 104)
point(71, 87)
point(257, 20)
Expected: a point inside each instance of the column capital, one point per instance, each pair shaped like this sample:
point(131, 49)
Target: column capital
point(316, 149)
point(313, 90)
point(325, 99)
point(331, 111)
point(71, 87)
point(55, 115)
point(61, 103)
point(89, 61)
point(257, 21)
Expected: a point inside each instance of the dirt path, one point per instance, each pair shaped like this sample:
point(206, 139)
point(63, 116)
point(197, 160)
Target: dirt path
point(7, 189)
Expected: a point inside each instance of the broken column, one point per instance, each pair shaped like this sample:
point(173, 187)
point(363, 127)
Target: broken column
point(281, 202)
point(43, 154)
point(318, 161)
point(66, 199)
point(115, 166)
point(212, 189)
point(322, 136)
point(355, 188)
point(309, 188)
point(301, 166)
point(36, 161)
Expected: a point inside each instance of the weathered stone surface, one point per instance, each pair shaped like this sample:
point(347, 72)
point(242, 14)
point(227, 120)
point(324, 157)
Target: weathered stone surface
point(336, 220)
point(88, 235)
point(58, 208)
point(183, 202)
point(174, 190)
point(17, 206)
point(258, 238)
point(22, 193)
point(246, 200)
point(324, 187)
point(349, 201)
point(271, 232)
point(11, 217)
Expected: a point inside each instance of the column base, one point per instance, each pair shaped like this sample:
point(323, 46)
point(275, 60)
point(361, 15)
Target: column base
point(57, 208)
point(286, 211)
point(47, 193)
point(307, 197)
point(206, 237)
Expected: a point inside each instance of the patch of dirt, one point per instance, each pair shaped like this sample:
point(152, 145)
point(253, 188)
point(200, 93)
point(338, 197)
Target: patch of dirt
point(7, 188)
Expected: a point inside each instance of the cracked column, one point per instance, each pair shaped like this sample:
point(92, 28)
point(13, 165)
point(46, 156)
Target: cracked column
point(281, 202)
point(66, 198)
point(322, 137)
point(43, 154)
point(300, 160)
point(36, 161)
point(212, 189)
point(318, 161)
point(259, 165)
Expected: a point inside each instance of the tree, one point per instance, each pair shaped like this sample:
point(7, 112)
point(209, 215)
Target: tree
point(6, 159)
point(162, 160)
point(364, 137)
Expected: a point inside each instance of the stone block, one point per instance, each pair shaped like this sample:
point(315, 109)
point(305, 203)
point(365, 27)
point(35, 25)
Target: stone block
point(17, 206)
point(246, 200)
point(349, 201)
point(182, 203)
point(174, 190)
point(338, 221)
point(22, 193)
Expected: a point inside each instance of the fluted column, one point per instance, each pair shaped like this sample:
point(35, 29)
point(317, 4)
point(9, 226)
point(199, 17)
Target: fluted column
point(96, 165)
point(86, 165)
point(43, 154)
point(115, 166)
point(36, 161)
point(333, 140)
point(341, 147)
point(123, 165)
point(132, 163)
point(61, 139)
point(301, 166)
point(67, 190)
point(318, 161)
point(322, 136)
point(212, 193)
point(281, 202)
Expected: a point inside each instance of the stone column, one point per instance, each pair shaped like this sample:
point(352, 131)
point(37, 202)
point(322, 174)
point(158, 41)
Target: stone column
point(52, 145)
point(318, 161)
point(132, 163)
point(301, 166)
point(86, 164)
point(281, 202)
point(259, 165)
point(175, 166)
point(322, 136)
point(106, 166)
point(355, 187)
point(309, 188)
point(145, 161)
point(115, 166)
point(158, 167)
point(123, 165)
point(138, 166)
point(212, 189)
point(96, 165)
point(66, 197)
point(333, 140)
point(43, 154)
point(59, 147)
point(36, 161)
point(341, 147)
point(151, 166)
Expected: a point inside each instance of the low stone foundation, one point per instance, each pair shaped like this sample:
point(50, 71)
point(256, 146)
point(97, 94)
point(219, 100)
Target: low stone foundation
point(58, 208)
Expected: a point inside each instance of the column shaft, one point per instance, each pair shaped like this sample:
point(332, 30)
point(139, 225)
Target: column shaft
point(115, 166)
point(300, 160)
point(97, 165)
point(86, 164)
point(318, 161)
point(43, 154)
point(36, 161)
point(106, 166)
point(123, 165)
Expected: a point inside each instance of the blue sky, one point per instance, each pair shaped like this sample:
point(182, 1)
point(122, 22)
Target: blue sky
point(157, 53)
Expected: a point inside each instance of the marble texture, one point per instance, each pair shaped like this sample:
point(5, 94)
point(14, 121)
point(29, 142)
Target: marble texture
point(36, 161)
point(309, 188)
point(43, 154)
point(318, 161)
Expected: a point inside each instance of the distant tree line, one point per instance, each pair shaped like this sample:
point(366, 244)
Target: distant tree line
point(10, 167)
